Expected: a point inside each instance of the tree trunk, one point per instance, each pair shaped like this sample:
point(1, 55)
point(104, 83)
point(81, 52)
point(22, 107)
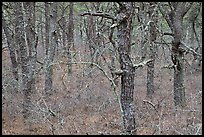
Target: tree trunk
point(51, 48)
point(124, 19)
point(11, 48)
point(152, 54)
point(20, 39)
point(47, 28)
point(32, 43)
point(64, 38)
point(142, 16)
point(179, 89)
point(42, 33)
point(70, 37)
point(178, 57)
point(174, 19)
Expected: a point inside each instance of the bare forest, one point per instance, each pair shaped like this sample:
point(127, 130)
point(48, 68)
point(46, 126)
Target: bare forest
point(102, 68)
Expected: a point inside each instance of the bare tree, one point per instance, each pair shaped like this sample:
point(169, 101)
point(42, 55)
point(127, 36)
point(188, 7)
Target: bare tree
point(174, 19)
point(124, 30)
point(27, 51)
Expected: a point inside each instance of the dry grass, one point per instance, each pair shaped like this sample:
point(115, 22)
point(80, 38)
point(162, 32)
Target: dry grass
point(87, 105)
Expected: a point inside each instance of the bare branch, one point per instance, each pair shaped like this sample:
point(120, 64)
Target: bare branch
point(100, 14)
point(153, 105)
point(121, 4)
point(111, 37)
point(187, 8)
point(199, 127)
point(165, 15)
point(40, 62)
point(118, 72)
point(143, 63)
point(190, 49)
point(167, 33)
point(99, 67)
point(169, 66)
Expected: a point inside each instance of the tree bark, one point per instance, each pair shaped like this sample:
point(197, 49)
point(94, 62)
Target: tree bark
point(152, 54)
point(20, 39)
point(47, 28)
point(175, 20)
point(11, 48)
point(124, 19)
point(70, 37)
point(178, 58)
point(142, 16)
point(32, 40)
point(51, 48)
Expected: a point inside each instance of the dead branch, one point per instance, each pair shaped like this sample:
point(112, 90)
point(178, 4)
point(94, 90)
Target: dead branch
point(187, 8)
point(164, 14)
point(96, 65)
point(121, 4)
point(118, 72)
point(40, 62)
point(167, 33)
point(153, 105)
point(100, 14)
point(183, 45)
point(143, 63)
point(111, 37)
point(169, 66)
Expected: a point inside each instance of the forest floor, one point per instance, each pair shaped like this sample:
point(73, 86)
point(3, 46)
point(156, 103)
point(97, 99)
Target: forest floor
point(86, 104)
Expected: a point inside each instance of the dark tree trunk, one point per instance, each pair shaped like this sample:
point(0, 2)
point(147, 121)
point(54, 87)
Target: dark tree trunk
point(174, 19)
point(177, 58)
point(179, 89)
point(124, 19)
